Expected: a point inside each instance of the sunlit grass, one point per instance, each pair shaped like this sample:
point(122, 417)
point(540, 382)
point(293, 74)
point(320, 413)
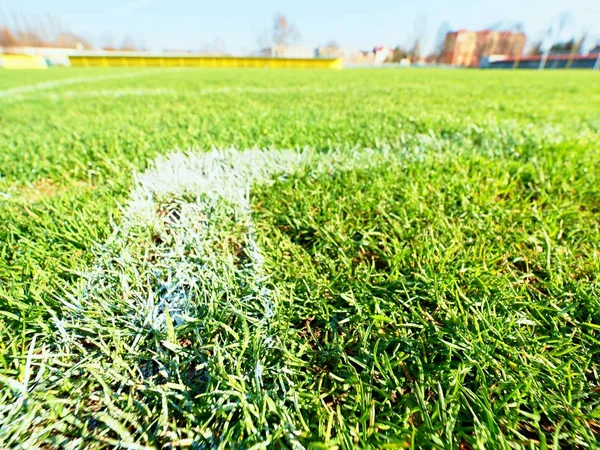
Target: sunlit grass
point(446, 297)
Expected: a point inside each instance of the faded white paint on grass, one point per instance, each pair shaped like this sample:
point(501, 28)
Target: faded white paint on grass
point(169, 92)
point(112, 93)
point(178, 314)
point(185, 263)
point(53, 84)
point(191, 204)
point(269, 90)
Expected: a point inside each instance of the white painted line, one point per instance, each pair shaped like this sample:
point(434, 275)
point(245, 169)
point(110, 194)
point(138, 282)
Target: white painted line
point(46, 85)
point(112, 93)
point(185, 255)
point(200, 188)
point(147, 92)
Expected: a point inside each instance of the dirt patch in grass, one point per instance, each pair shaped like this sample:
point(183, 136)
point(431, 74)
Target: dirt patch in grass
point(44, 188)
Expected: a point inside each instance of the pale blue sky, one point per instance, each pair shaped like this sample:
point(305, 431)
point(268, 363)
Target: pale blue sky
point(187, 24)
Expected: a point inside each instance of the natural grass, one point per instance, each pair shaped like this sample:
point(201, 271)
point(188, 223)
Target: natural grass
point(443, 295)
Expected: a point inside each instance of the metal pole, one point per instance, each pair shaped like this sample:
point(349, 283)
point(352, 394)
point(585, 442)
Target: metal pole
point(597, 65)
point(574, 50)
point(543, 60)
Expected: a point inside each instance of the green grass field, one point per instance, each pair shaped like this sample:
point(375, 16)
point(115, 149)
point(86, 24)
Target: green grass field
point(441, 290)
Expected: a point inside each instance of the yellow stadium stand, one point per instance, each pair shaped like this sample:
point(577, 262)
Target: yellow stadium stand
point(202, 61)
point(23, 62)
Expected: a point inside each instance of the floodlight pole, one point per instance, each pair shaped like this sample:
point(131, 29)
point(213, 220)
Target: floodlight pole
point(574, 50)
point(543, 60)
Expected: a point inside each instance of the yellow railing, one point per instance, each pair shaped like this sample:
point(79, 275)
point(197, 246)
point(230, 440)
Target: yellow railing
point(23, 62)
point(203, 61)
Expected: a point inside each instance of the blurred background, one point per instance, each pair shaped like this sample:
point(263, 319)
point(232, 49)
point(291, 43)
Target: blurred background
point(509, 34)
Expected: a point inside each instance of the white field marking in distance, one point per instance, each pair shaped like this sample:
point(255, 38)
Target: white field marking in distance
point(203, 92)
point(111, 93)
point(47, 85)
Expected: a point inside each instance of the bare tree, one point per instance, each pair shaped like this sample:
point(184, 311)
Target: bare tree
point(419, 33)
point(519, 27)
point(552, 35)
point(398, 54)
point(545, 46)
point(333, 45)
point(16, 27)
point(564, 46)
point(415, 52)
point(53, 30)
point(218, 46)
point(420, 26)
point(39, 33)
point(2, 17)
point(107, 41)
point(70, 40)
point(440, 38)
point(284, 32)
point(44, 33)
point(7, 38)
point(536, 48)
point(128, 44)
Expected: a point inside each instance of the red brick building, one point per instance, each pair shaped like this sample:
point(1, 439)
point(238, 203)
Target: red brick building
point(466, 48)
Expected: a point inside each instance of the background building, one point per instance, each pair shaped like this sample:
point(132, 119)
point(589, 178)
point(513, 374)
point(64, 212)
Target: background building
point(459, 48)
point(288, 51)
point(356, 57)
point(329, 51)
point(467, 48)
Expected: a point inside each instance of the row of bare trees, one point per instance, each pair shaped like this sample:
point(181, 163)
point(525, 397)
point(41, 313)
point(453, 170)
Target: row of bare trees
point(11, 38)
point(48, 32)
